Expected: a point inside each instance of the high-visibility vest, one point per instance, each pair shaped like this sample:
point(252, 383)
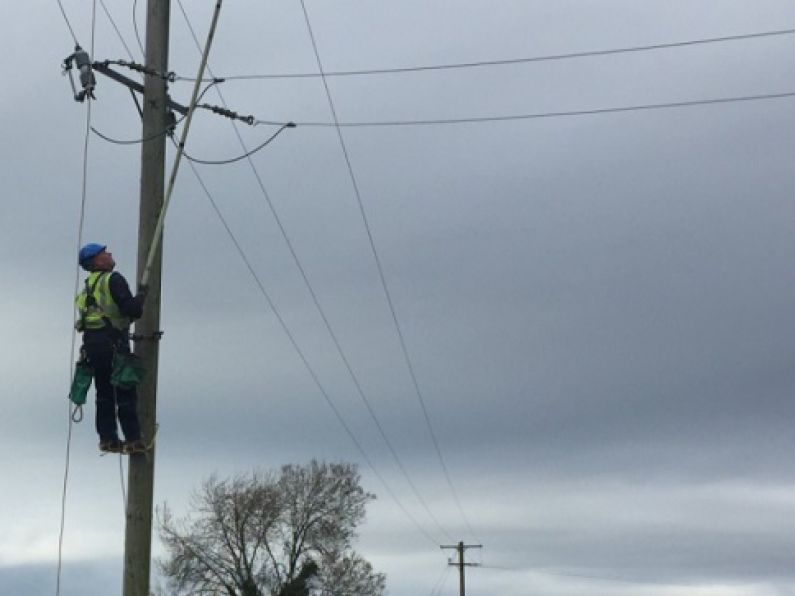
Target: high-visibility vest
point(96, 306)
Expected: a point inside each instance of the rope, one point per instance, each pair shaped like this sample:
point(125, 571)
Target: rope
point(121, 479)
point(147, 446)
point(151, 444)
point(77, 415)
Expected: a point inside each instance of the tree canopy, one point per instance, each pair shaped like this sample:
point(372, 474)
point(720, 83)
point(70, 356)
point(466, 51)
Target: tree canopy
point(289, 533)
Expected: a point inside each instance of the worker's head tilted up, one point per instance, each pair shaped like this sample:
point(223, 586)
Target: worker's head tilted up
point(95, 257)
point(106, 308)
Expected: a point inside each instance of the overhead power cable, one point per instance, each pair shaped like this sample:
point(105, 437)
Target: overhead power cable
point(300, 267)
point(215, 109)
point(440, 583)
point(239, 157)
point(539, 115)
point(115, 27)
point(303, 357)
point(105, 137)
point(510, 61)
point(68, 23)
point(135, 28)
point(380, 268)
point(168, 131)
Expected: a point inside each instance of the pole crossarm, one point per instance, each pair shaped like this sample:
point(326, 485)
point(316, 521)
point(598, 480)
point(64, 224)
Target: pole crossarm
point(170, 76)
point(461, 548)
point(103, 68)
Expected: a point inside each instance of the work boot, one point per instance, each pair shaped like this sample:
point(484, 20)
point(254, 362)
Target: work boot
point(135, 447)
point(110, 446)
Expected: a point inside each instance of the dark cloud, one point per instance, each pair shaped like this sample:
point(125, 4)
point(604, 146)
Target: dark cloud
point(597, 308)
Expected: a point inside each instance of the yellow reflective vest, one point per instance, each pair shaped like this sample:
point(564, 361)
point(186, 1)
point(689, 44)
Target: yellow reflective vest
point(96, 307)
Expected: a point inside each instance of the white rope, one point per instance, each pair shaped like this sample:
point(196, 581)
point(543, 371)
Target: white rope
point(72, 414)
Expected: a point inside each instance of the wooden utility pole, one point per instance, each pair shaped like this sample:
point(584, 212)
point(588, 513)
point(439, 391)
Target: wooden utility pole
point(461, 549)
point(138, 534)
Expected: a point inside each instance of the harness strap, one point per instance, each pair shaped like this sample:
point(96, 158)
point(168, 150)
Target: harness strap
point(91, 301)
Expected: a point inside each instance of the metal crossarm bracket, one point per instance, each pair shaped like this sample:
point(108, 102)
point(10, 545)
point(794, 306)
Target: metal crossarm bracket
point(102, 67)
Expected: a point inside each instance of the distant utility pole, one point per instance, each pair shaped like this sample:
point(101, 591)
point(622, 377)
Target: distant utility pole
point(461, 548)
point(138, 533)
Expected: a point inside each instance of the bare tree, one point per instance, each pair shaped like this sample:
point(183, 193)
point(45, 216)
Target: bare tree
point(285, 534)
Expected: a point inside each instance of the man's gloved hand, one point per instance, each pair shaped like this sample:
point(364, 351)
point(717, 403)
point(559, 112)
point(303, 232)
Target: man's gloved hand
point(143, 290)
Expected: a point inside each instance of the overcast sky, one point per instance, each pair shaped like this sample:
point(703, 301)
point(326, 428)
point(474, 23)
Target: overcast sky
point(598, 308)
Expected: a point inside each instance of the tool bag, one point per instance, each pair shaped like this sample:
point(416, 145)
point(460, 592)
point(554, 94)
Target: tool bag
point(128, 370)
point(81, 382)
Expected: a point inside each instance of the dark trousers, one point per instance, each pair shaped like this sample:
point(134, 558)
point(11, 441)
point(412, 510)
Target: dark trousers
point(112, 400)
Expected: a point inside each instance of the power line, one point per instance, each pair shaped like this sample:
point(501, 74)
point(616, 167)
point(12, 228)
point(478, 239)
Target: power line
point(381, 269)
point(561, 114)
point(115, 27)
point(319, 308)
point(247, 154)
point(302, 356)
point(482, 119)
point(170, 131)
point(135, 28)
point(105, 137)
point(326, 321)
point(511, 61)
point(440, 583)
point(68, 24)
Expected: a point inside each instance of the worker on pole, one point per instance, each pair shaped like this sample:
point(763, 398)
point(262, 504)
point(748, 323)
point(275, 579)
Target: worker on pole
point(106, 308)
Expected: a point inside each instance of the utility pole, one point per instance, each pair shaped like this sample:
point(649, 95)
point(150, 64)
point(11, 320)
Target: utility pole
point(138, 533)
point(461, 549)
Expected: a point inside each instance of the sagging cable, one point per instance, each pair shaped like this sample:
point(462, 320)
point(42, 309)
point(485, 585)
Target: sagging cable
point(221, 162)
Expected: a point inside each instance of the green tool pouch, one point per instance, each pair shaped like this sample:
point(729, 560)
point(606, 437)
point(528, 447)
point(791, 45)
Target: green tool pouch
point(81, 383)
point(128, 371)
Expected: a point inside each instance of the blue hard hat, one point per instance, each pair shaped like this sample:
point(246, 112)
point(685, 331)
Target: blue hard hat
point(88, 252)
